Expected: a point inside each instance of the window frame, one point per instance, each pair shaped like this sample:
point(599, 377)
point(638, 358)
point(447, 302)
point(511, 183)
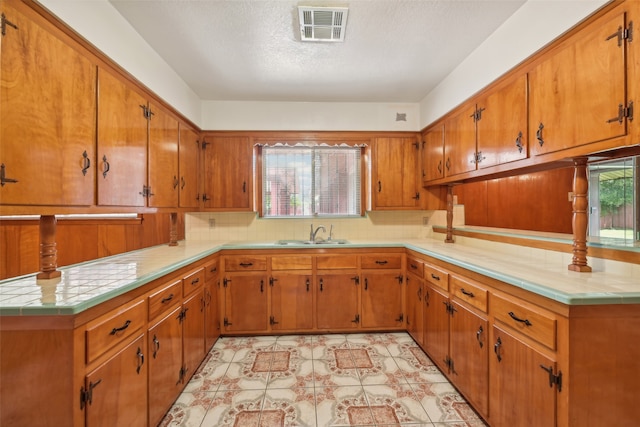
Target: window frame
point(364, 172)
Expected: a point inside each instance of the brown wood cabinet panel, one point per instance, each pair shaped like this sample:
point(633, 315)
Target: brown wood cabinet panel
point(245, 305)
point(212, 313)
point(381, 261)
point(382, 300)
point(228, 188)
point(337, 301)
point(460, 142)
point(293, 262)
point(436, 276)
point(189, 166)
point(48, 117)
point(165, 298)
point(122, 143)
point(415, 307)
point(193, 333)
point(245, 263)
point(119, 389)
point(330, 262)
point(433, 153)
point(193, 282)
point(395, 169)
point(291, 302)
point(436, 325)
point(528, 320)
point(163, 179)
point(469, 292)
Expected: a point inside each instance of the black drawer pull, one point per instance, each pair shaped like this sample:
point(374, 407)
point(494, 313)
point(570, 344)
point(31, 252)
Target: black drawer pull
point(517, 319)
point(167, 299)
point(381, 262)
point(246, 264)
point(467, 293)
point(433, 276)
point(496, 349)
point(121, 328)
point(195, 281)
point(415, 267)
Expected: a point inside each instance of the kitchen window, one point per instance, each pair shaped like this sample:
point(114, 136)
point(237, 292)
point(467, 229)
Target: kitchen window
point(311, 181)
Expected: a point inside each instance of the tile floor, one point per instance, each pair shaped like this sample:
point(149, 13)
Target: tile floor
point(380, 379)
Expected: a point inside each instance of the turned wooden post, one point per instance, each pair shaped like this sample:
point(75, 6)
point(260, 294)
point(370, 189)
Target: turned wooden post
point(173, 229)
point(449, 238)
point(580, 217)
point(48, 250)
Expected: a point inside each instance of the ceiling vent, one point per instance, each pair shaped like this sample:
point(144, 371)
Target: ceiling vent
point(322, 24)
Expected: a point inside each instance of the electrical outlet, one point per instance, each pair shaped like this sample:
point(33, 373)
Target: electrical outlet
point(212, 222)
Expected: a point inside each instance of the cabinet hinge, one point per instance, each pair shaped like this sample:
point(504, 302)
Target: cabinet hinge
point(401, 318)
point(204, 144)
point(182, 315)
point(226, 322)
point(477, 114)
point(553, 379)
point(272, 321)
point(86, 395)
point(356, 279)
point(356, 319)
point(181, 374)
point(3, 24)
point(449, 308)
point(272, 281)
point(417, 196)
point(623, 34)
point(225, 282)
point(400, 279)
point(3, 179)
point(623, 112)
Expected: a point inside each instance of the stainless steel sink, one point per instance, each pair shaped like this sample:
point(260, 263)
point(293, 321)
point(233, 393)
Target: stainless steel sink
point(313, 243)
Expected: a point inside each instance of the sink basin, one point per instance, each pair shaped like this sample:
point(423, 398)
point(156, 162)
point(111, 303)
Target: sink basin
point(312, 243)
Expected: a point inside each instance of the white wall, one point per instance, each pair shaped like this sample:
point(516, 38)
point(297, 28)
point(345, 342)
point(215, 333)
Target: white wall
point(532, 27)
point(101, 24)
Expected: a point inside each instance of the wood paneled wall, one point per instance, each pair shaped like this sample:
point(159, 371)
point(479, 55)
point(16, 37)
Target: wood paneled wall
point(80, 240)
point(537, 201)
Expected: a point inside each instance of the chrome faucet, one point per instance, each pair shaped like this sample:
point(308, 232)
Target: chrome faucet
point(312, 235)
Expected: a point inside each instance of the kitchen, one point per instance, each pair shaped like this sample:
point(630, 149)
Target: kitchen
point(240, 223)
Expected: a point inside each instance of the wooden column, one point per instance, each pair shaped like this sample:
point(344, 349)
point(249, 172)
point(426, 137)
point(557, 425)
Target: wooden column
point(48, 250)
point(580, 221)
point(173, 230)
point(449, 237)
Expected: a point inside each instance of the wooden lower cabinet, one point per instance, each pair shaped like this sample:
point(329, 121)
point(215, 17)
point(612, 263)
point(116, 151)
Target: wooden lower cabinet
point(291, 302)
point(193, 309)
point(415, 308)
point(245, 303)
point(116, 391)
point(436, 325)
point(382, 300)
point(337, 302)
point(520, 391)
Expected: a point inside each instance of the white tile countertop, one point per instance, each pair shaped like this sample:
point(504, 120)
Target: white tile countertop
point(85, 285)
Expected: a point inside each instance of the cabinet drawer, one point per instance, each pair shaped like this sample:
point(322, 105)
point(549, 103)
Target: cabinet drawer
point(415, 266)
point(436, 276)
point(469, 292)
point(192, 282)
point(113, 328)
point(531, 321)
point(245, 263)
point(329, 262)
point(210, 270)
point(381, 261)
point(294, 262)
point(164, 299)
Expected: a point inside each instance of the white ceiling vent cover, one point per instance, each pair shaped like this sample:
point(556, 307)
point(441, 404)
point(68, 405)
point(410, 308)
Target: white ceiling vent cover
point(322, 24)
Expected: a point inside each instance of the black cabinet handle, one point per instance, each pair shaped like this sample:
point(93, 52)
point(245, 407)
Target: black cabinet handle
point(107, 166)
point(156, 346)
point(467, 293)
point(121, 328)
point(167, 299)
point(517, 319)
point(479, 335)
point(434, 277)
point(539, 135)
point(383, 262)
point(176, 182)
point(246, 264)
point(321, 285)
point(86, 162)
point(195, 281)
point(366, 283)
point(140, 360)
point(496, 349)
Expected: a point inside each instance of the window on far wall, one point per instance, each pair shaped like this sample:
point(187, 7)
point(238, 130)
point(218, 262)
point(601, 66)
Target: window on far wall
point(306, 181)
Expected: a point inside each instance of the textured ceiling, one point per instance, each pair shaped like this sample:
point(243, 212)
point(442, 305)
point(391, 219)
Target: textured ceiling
point(250, 50)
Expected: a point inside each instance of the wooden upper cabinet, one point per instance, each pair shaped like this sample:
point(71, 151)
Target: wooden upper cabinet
point(395, 173)
point(433, 153)
point(501, 124)
point(122, 143)
point(163, 158)
point(460, 141)
point(577, 95)
point(228, 171)
point(47, 117)
point(189, 157)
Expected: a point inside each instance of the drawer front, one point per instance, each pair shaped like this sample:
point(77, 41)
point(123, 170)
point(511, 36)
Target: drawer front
point(330, 262)
point(383, 261)
point(245, 263)
point(164, 299)
point(192, 282)
point(294, 262)
point(436, 276)
point(533, 322)
point(211, 270)
point(469, 292)
point(415, 266)
point(113, 328)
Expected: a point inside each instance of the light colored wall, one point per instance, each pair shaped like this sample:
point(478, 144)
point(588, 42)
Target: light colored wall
point(101, 24)
point(375, 225)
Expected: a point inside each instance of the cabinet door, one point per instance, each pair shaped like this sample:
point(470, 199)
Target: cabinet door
point(396, 173)
point(436, 326)
point(337, 305)
point(575, 94)
point(469, 343)
point(163, 159)
point(228, 188)
point(47, 117)
point(212, 313)
point(193, 333)
point(189, 155)
point(245, 303)
point(122, 143)
point(291, 302)
point(520, 394)
point(460, 142)
point(165, 364)
point(502, 125)
point(433, 154)
point(415, 322)
point(118, 389)
point(382, 300)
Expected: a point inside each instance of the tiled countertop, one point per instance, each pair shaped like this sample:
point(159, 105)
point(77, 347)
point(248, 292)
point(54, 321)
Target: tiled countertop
point(85, 285)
